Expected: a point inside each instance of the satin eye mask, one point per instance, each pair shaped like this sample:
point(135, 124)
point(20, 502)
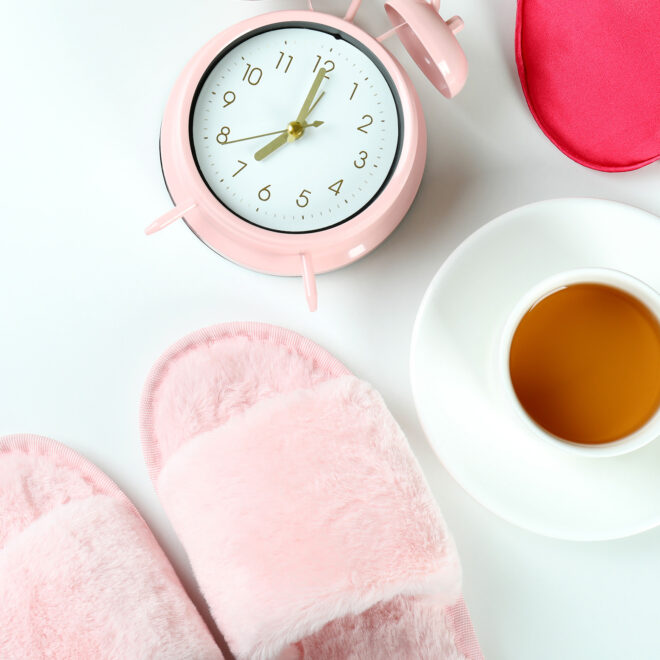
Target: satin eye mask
point(590, 71)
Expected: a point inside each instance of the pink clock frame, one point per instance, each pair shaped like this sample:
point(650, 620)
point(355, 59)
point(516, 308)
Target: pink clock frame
point(269, 251)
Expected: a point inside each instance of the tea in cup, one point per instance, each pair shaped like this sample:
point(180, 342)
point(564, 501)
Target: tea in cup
point(580, 360)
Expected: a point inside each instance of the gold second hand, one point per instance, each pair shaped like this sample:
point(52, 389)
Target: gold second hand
point(256, 137)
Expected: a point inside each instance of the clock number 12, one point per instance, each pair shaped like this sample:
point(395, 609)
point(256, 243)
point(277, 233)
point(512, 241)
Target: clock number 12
point(328, 65)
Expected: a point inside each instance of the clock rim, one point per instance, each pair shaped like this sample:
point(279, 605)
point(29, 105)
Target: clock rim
point(329, 31)
point(274, 252)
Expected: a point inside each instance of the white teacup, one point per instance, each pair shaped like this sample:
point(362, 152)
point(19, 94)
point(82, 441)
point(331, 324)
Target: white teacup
point(614, 278)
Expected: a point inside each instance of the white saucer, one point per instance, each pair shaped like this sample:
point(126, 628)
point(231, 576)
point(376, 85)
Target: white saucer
point(479, 439)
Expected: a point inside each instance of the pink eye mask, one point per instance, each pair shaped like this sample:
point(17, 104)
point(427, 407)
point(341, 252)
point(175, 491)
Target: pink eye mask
point(81, 575)
point(590, 71)
point(304, 514)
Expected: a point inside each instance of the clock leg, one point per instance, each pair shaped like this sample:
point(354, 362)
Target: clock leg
point(309, 280)
point(171, 216)
point(352, 10)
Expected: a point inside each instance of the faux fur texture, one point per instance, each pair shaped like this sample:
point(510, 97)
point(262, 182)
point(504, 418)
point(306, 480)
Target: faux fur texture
point(32, 486)
point(327, 511)
point(405, 628)
point(305, 516)
point(81, 576)
point(223, 378)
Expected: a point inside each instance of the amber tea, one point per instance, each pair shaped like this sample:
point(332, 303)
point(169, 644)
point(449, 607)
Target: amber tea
point(585, 363)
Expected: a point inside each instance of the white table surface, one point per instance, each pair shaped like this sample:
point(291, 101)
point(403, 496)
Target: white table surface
point(87, 302)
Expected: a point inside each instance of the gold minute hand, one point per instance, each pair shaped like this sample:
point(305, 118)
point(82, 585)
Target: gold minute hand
point(290, 136)
point(304, 111)
point(292, 133)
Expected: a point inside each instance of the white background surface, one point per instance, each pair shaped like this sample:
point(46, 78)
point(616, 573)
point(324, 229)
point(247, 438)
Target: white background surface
point(87, 302)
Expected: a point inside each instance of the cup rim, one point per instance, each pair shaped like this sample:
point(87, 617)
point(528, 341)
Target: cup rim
point(590, 275)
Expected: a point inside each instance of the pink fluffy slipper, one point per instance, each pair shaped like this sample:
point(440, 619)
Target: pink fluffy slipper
point(305, 516)
point(81, 576)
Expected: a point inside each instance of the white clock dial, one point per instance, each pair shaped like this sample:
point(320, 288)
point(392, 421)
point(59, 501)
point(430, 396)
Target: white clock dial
point(335, 168)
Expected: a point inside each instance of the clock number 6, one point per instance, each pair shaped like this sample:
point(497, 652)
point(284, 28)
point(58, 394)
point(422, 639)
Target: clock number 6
point(363, 160)
point(264, 193)
point(304, 196)
point(223, 136)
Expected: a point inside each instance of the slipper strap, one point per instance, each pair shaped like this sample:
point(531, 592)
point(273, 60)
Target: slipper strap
point(304, 508)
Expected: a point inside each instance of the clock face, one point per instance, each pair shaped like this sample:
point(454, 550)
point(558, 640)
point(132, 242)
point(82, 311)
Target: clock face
point(285, 146)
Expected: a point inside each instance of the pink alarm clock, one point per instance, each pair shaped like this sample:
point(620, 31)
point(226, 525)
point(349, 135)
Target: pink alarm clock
point(294, 143)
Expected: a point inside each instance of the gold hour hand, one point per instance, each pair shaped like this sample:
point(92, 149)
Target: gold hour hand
point(293, 132)
point(271, 146)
